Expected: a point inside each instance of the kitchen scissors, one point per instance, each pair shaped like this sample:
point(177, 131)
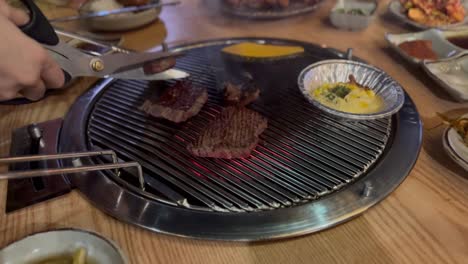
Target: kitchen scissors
point(76, 63)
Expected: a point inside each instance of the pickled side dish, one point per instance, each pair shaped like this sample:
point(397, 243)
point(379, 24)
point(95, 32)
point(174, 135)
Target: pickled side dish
point(80, 256)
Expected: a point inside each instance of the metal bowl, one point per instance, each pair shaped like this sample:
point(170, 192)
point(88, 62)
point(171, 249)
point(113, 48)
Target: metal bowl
point(333, 71)
point(120, 22)
point(294, 9)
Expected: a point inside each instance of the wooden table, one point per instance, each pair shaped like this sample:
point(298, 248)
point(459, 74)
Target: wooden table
point(424, 221)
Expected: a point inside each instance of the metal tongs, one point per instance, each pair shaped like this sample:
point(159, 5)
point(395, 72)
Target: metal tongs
point(35, 134)
point(78, 167)
point(76, 63)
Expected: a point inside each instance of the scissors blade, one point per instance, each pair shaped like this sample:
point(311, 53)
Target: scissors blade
point(121, 62)
point(123, 66)
point(138, 74)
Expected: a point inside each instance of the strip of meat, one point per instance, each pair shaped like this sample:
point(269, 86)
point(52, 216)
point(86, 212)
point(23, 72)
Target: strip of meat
point(240, 94)
point(159, 65)
point(178, 103)
point(133, 2)
point(233, 134)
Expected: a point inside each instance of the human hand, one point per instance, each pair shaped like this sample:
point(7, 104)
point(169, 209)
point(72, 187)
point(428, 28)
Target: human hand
point(25, 66)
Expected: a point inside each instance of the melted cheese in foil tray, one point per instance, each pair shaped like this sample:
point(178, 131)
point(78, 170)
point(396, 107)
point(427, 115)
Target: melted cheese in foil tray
point(348, 97)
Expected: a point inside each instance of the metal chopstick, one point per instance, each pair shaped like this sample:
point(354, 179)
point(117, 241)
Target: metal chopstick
point(50, 172)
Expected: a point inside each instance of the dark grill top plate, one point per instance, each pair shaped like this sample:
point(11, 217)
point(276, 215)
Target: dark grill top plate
point(304, 156)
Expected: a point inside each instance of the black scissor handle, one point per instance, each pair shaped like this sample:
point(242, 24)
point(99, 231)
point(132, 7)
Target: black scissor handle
point(39, 27)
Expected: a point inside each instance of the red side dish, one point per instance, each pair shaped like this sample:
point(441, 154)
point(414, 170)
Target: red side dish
point(421, 49)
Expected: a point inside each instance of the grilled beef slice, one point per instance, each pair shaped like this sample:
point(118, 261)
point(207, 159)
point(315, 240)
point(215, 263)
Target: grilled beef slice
point(233, 134)
point(240, 94)
point(178, 103)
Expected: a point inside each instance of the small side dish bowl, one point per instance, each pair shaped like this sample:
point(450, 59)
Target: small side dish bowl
point(353, 15)
point(62, 242)
point(396, 9)
point(118, 22)
point(454, 146)
point(440, 45)
point(451, 74)
point(334, 71)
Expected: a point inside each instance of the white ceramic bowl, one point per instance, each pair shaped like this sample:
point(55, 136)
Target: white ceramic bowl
point(351, 21)
point(333, 71)
point(62, 241)
point(455, 148)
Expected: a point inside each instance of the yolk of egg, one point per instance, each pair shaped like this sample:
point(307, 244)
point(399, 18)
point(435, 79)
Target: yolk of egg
point(350, 98)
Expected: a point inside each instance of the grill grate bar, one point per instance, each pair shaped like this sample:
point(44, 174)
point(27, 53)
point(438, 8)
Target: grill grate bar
point(320, 151)
point(261, 179)
point(307, 140)
point(247, 171)
point(330, 144)
point(323, 166)
point(314, 126)
point(277, 179)
point(315, 172)
point(321, 126)
point(298, 161)
point(172, 197)
point(312, 193)
point(315, 182)
point(279, 191)
point(163, 129)
point(102, 140)
point(146, 144)
point(315, 151)
point(134, 84)
point(259, 169)
point(190, 167)
point(206, 164)
point(303, 155)
point(181, 157)
point(191, 184)
point(272, 204)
